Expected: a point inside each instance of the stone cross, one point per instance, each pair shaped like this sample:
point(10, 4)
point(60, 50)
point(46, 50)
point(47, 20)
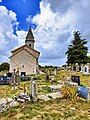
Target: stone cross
point(13, 79)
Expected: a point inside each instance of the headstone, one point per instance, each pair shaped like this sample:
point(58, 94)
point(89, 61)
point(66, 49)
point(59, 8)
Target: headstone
point(13, 79)
point(33, 90)
point(85, 69)
point(17, 77)
point(55, 72)
point(75, 79)
point(4, 80)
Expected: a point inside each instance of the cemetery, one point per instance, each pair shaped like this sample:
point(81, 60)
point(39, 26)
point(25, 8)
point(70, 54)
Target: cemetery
point(44, 59)
point(39, 98)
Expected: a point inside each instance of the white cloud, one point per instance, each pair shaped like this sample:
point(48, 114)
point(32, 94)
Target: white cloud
point(21, 37)
point(7, 38)
point(52, 33)
point(12, 16)
point(0, 0)
point(55, 25)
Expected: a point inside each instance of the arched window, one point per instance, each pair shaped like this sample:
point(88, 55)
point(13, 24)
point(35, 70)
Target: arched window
point(22, 66)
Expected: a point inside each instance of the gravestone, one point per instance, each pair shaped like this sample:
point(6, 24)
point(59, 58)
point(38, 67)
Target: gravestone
point(75, 79)
point(4, 80)
point(85, 69)
point(17, 79)
point(33, 90)
point(14, 79)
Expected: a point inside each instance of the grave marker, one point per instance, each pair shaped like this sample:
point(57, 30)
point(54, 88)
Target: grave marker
point(33, 90)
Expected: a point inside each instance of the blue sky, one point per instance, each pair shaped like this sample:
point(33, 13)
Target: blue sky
point(53, 23)
point(22, 8)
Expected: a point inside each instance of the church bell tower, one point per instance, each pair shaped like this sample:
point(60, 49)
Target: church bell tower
point(30, 39)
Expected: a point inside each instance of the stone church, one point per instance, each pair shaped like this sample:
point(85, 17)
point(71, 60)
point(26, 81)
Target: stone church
point(25, 58)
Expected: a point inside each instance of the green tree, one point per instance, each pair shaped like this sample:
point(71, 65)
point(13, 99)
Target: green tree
point(4, 66)
point(77, 51)
point(88, 59)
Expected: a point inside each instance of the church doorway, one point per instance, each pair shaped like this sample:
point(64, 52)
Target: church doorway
point(23, 73)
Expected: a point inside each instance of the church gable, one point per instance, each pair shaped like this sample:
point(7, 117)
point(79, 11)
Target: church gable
point(33, 52)
point(23, 55)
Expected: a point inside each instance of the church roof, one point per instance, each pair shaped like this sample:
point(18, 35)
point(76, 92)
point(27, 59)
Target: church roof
point(29, 34)
point(31, 51)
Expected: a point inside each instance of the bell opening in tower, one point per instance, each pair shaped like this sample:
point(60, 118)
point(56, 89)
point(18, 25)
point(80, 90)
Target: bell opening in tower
point(29, 45)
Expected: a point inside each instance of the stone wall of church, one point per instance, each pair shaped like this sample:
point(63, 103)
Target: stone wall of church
point(24, 62)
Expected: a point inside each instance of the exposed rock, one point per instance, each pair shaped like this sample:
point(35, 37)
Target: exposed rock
point(43, 97)
point(7, 103)
point(13, 104)
point(72, 108)
point(55, 95)
point(47, 97)
point(3, 101)
point(9, 99)
point(56, 88)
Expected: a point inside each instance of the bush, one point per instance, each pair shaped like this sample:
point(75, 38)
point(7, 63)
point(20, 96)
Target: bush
point(41, 77)
point(69, 92)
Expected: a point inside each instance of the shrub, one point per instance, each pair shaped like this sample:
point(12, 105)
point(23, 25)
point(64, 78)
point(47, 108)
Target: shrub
point(41, 77)
point(69, 92)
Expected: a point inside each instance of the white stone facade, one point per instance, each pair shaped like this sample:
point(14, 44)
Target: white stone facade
point(24, 62)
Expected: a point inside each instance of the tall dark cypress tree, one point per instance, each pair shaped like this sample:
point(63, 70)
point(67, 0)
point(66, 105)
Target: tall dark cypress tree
point(77, 51)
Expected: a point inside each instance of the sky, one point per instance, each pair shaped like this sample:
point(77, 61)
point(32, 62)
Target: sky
point(53, 23)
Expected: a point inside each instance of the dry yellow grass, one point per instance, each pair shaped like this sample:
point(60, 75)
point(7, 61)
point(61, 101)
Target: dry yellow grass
point(84, 79)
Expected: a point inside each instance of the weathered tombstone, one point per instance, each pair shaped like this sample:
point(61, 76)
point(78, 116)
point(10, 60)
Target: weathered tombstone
point(13, 79)
point(33, 90)
point(24, 88)
point(75, 79)
point(85, 69)
point(47, 74)
point(52, 79)
point(55, 72)
point(17, 79)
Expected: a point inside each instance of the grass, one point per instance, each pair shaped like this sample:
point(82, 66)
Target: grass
point(59, 109)
point(84, 79)
point(8, 90)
